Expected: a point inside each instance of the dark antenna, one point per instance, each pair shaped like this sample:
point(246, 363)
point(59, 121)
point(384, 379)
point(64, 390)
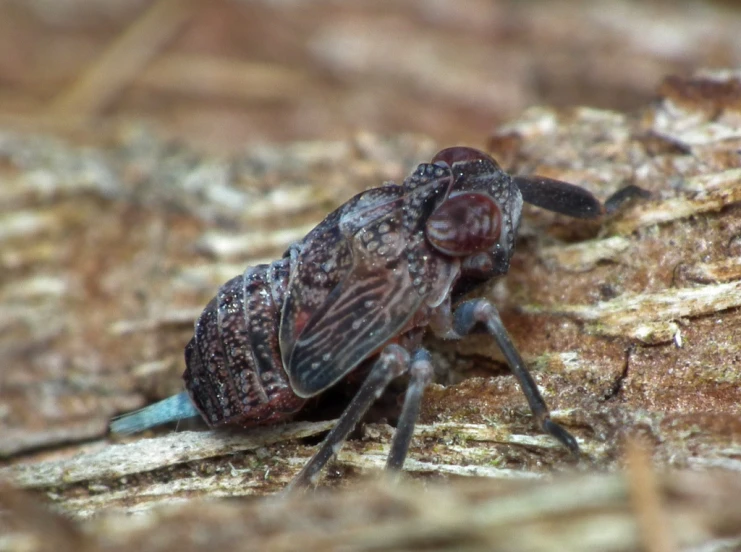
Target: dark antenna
point(559, 197)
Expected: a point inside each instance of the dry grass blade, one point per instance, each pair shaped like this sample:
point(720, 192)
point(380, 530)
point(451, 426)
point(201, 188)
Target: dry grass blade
point(647, 502)
point(217, 78)
point(123, 59)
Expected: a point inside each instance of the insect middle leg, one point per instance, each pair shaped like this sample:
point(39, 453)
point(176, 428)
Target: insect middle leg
point(392, 362)
point(480, 311)
point(420, 376)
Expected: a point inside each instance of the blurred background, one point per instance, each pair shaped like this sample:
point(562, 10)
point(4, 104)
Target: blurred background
point(225, 74)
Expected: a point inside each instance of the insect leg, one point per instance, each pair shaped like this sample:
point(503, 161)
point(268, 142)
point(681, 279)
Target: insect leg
point(392, 362)
point(466, 316)
point(420, 376)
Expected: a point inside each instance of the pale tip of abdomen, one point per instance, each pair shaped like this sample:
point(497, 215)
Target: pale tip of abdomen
point(170, 409)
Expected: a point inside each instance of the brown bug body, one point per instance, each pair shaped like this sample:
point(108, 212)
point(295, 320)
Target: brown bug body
point(275, 322)
point(363, 286)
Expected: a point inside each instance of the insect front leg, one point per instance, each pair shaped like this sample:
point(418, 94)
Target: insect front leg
point(393, 361)
point(480, 311)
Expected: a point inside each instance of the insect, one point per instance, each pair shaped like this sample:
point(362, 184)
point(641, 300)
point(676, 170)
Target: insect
point(358, 291)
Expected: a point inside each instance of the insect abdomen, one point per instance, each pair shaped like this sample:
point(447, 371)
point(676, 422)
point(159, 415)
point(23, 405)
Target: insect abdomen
point(234, 374)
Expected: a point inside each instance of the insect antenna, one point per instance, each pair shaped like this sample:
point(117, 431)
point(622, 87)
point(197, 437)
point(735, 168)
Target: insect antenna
point(623, 196)
point(557, 196)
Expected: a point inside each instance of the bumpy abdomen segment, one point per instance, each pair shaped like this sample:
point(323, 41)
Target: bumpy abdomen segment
point(234, 372)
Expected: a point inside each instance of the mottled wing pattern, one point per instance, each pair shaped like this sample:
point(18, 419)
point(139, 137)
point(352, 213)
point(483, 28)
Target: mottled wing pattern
point(327, 331)
point(323, 260)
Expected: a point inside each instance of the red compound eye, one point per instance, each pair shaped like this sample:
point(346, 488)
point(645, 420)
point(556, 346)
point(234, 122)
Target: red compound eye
point(464, 224)
point(459, 154)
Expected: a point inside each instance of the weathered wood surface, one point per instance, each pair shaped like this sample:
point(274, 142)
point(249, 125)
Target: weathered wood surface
point(632, 326)
point(591, 512)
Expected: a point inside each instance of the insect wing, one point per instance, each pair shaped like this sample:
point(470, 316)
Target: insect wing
point(324, 258)
point(369, 305)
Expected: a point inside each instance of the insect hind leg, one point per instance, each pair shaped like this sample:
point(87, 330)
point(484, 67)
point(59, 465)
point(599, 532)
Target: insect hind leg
point(392, 362)
point(480, 311)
